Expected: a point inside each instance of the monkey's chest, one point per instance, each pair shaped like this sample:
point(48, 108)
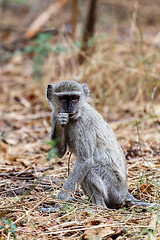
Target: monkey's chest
point(71, 141)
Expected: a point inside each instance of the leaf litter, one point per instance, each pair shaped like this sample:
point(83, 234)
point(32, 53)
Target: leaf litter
point(28, 181)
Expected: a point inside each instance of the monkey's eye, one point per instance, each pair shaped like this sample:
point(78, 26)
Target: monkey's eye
point(74, 98)
point(64, 98)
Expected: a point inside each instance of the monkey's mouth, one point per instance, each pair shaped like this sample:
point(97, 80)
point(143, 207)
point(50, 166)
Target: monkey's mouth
point(71, 115)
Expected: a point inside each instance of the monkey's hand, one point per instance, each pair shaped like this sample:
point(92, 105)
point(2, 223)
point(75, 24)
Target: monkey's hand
point(63, 118)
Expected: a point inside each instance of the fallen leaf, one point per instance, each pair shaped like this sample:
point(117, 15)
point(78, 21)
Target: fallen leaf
point(154, 223)
point(98, 230)
point(145, 187)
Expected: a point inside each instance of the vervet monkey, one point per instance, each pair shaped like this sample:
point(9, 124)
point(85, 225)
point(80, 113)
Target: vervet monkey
point(101, 167)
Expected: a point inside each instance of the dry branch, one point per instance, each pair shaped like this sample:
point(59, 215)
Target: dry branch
point(35, 10)
point(74, 17)
point(89, 28)
point(43, 18)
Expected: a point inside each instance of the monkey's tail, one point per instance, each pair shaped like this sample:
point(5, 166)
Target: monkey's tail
point(132, 201)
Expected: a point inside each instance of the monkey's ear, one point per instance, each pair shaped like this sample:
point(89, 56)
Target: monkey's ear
point(49, 91)
point(86, 90)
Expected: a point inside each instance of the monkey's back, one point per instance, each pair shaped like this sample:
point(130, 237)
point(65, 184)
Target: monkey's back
point(94, 129)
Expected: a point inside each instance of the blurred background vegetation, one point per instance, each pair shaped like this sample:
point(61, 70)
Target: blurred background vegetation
point(113, 46)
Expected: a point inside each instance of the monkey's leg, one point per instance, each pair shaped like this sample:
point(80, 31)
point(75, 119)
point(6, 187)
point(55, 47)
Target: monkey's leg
point(104, 188)
point(94, 196)
point(93, 187)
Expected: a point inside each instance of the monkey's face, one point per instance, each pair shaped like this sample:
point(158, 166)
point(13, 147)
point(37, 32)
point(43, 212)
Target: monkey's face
point(64, 102)
point(69, 104)
point(67, 97)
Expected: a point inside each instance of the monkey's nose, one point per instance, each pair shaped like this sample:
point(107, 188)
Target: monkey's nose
point(50, 86)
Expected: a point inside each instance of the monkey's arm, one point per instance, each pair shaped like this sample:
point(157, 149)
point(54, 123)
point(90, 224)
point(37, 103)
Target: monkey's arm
point(57, 133)
point(85, 148)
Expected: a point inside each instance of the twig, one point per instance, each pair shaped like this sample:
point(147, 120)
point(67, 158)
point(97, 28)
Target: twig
point(69, 213)
point(69, 158)
point(140, 145)
point(43, 18)
point(84, 228)
point(31, 210)
point(12, 174)
point(65, 224)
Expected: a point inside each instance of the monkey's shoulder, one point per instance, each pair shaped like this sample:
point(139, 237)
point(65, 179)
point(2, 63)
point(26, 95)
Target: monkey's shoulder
point(97, 125)
point(90, 115)
point(92, 123)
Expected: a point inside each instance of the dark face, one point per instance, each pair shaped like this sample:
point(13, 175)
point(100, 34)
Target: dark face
point(69, 103)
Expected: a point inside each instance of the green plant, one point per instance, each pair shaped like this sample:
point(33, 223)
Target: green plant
point(60, 49)
point(3, 136)
point(5, 55)
point(9, 226)
point(53, 151)
point(40, 50)
point(19, 1)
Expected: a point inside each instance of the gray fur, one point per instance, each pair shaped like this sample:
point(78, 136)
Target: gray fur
point(101, 167)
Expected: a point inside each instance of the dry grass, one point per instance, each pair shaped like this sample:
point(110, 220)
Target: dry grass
point(122, 72)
